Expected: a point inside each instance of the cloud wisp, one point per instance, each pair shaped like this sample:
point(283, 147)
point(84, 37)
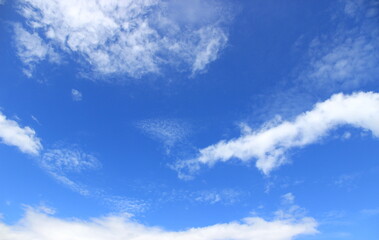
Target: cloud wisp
point(347, 58)
point(64, 164)
point(24, 138)
point(40, 225)
point(76, 95)
point(135, 38)
point(169, 132)
point(32, 49)
point(60, 163)
point(269, 145)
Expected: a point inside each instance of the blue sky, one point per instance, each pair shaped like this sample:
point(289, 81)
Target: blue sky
point(170, 119)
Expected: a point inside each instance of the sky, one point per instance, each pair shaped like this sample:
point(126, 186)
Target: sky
point(198, 120)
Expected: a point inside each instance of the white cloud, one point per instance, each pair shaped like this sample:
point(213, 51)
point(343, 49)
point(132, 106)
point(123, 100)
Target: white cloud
point(268, 145)
point(76, 95)
point(24, 138)
point(129, 36)
point(37, 225)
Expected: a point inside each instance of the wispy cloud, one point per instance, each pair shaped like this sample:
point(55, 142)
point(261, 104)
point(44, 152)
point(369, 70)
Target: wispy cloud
point(36, 120)
point(269, 145)
point(24, 138)
point(62, 162)
point(350, 63)
point(167, 131)
point(226, 196)
point(348, 57)
point(76, 95)
point(40, 225)
point(348, 181)
point(288, 198)
point(125, 205)
point(32, 49)
point(125, 37)
point(370, 212)
point(66, 164)
point(68, 160)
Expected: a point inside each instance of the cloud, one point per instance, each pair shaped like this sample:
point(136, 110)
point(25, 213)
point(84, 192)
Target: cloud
point(347, 58)
point(68, 160)
point(269, 145)
point(24, 138)
point(348, 181)
point(76, 95)
point(226, 196)
point(370, 212)
point(31, 49)
point(356, 8)
point(124, 205)
point(350, 63)
point(288, 198)
point(36, 120)
point(39, 225)
point(167, 131)
point(126, 37)
point(61, 163)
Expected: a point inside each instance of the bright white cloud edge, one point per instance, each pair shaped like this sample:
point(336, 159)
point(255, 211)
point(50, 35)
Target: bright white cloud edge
point(24, 138)
point(268, 145)
point(39, 225)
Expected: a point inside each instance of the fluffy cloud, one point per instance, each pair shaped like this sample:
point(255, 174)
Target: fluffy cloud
point(269, 144)
point(37, 225)
point(125, 36)
point(24, 138)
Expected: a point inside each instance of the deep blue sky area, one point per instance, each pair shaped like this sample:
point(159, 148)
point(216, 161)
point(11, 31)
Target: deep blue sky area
point(241, 119)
